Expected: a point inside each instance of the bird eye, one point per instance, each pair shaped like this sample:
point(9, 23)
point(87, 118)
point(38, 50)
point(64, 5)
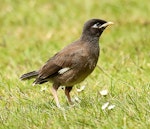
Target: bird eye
point(96, 25)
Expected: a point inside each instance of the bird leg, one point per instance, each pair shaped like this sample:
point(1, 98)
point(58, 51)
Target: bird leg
point(67, 91)
point(54, 93)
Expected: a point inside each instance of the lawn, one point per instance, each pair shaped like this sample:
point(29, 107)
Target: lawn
point(31, 31)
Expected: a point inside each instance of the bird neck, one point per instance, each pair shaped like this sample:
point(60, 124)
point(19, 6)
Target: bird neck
point(89, 38)
point(92, 43)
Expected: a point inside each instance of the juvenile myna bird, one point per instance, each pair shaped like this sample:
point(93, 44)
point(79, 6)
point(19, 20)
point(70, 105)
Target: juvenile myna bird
point(73, 63)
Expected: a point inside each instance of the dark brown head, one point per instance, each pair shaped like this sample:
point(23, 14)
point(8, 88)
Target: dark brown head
point(93, 28)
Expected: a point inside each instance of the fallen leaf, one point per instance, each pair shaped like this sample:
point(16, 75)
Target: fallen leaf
point(43, 89)
point(104, 92)
point(105, 105)
point(81, 89)
point(111, 107)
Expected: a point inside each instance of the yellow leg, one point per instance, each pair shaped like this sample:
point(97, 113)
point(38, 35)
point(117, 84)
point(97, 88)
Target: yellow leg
point(67, 92)
point(54, 93)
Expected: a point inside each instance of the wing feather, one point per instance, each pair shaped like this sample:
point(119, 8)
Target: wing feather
point(69, 57)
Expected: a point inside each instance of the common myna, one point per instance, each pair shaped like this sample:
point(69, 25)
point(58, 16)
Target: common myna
point(73, 63)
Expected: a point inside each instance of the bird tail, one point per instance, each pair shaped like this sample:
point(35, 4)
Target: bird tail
point(29, 75)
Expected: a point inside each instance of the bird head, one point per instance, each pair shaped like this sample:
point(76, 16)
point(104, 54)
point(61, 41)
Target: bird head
point(94, 28)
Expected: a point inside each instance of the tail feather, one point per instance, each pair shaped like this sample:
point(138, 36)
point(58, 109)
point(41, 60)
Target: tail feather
point(29, 75)
point(40, 81)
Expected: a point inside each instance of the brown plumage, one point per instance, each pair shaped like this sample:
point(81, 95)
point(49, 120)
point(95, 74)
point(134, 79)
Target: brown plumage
point(73, 63)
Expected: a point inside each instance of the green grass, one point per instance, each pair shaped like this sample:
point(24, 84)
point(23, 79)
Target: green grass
point(32, 31)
